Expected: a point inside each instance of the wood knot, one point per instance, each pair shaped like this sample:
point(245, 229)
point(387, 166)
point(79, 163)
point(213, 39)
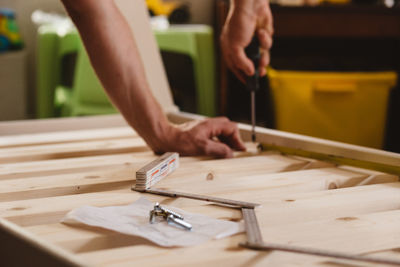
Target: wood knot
point(210, 176)
point(230, 219)
point(290, 200)
point(18, 208)
point(347, 218)
point(92, 176)
point(332, 186)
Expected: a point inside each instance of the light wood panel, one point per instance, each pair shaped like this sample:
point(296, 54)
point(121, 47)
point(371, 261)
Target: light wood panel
point(304, 201)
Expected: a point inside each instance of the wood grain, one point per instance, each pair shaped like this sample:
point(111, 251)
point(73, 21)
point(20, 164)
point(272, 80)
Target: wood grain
point(304, 202)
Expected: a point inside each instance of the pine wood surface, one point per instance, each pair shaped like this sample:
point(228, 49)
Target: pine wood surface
point(304, 202)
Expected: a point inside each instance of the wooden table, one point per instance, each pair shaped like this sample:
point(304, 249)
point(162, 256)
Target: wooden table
point(44, 173)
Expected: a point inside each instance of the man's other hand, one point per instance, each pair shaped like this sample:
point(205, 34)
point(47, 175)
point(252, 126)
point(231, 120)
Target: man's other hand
point(246, 18)
point(216, 137)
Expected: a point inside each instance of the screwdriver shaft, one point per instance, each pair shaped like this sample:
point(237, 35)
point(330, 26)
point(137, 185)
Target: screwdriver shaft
point(253, 116)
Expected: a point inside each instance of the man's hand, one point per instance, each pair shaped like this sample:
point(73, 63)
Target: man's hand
point(245, 18)
point(115, 58)
point(215, 137)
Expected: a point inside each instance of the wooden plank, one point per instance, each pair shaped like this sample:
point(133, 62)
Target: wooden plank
point(274, 184)
point(71, 165)
point(61, 124)
point(287, 208)
point(69, 184)
point(66, 137)
point(122, 176)
point(347, 202)
point(363, 233)
point(77, 149)
point(114, 174)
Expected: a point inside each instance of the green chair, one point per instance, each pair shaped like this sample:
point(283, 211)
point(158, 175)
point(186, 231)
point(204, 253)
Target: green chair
point(196, 41)
point(48, 70)
point(86, 95)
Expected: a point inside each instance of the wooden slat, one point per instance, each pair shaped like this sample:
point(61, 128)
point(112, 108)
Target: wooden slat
point(77, 149)
point(61, 124)
point(70, 165)
point(121, 175)
point(274, 184)
point(294, 206)
point(66, 137)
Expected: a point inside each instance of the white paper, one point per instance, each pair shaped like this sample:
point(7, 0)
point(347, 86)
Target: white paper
point(133, 219)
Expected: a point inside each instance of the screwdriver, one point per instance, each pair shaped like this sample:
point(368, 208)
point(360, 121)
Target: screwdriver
point(253, 82)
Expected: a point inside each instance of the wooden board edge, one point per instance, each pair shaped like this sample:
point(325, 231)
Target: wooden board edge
point(312, 147)
point(337, 159)
point(61, 124)
point(22, 248)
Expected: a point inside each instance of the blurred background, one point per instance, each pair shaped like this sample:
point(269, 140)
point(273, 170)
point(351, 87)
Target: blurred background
point(333, 73)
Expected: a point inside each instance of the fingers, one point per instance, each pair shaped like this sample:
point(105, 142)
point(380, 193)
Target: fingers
point(264, 62)
point(226, 131)
point(265, 39)
point(215, 137)
point(265, 44)
point(217, 149)
point(242, 62)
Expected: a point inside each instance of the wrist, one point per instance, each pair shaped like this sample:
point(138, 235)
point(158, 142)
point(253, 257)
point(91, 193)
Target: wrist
point(162, 137)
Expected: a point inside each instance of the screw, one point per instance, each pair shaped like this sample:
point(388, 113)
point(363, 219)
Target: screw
point(171, 219)
point(170, 212)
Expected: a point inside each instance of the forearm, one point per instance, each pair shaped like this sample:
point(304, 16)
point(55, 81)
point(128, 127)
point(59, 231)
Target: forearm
point(115, 58)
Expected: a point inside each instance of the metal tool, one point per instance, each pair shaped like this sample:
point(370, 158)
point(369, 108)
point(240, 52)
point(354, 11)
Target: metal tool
point(253, 82)
point(217, 200)
point(170, 216)
point(168, 211)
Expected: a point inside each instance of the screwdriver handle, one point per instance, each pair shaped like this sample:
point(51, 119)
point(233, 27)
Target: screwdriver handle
point(253, 53)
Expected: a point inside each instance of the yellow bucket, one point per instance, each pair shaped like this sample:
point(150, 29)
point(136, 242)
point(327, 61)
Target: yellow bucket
point(348, 107)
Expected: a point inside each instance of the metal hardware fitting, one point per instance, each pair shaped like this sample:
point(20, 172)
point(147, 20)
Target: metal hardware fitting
point(172, 217)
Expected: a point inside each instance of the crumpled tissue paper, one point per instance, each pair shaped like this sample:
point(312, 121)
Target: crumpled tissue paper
point(133, 219)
